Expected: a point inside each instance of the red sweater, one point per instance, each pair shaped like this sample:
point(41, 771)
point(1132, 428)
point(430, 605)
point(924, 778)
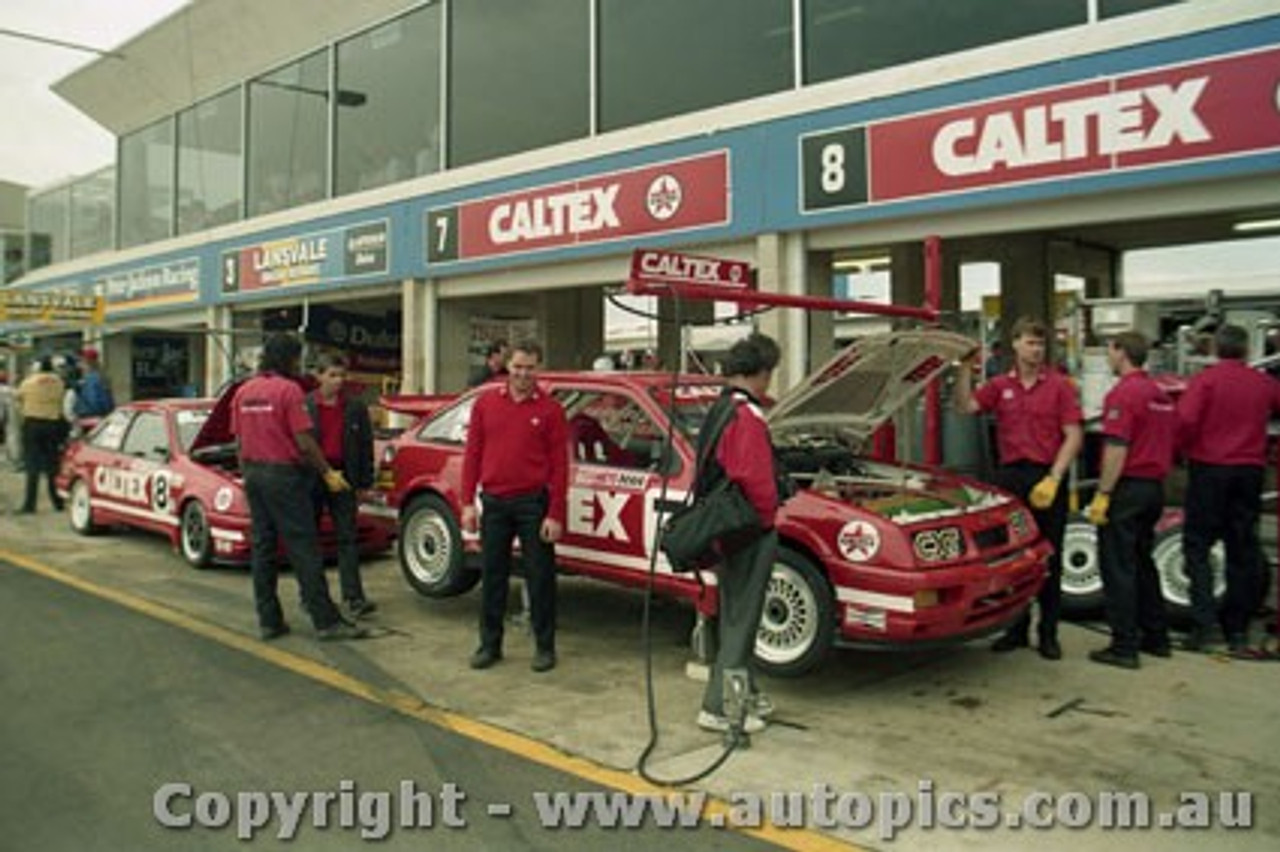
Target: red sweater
point(516, 448)
point(746, 454)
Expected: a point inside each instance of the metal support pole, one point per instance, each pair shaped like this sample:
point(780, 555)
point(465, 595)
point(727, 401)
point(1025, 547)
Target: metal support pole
point(933, 394)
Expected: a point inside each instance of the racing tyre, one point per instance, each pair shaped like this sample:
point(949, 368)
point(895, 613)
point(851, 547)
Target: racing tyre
point(194, 538)
point(80, 510)
point(798, 624)
point(430, 550)
point(1081, 569)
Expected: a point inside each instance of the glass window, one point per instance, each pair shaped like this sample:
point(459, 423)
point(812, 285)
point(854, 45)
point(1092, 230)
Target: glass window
point(15, 255)
point(93, 205)
point(210, 163)
point(518, 76)
point(288, 135)
point(146, 184)
point(47, 228)
point(1113, 8)
point(611, 429)
point(189, 422)
point(665, 57)
point(148, 438)
point(451, 426)
point(389, 102)
point(110, 430)
point(843, 38)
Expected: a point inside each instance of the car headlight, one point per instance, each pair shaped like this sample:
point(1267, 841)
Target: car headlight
point(938, 545)
point(1018, 523)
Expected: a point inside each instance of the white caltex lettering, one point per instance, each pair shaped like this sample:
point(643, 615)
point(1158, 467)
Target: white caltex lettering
point(583, 518)
point(122, 484)
point(579, 212)
point(664, 265)
point(1103, 125)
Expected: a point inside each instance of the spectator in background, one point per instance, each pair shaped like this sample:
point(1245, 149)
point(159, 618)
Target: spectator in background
point(1139, 427)
point(494, 366)
point(93, 397)
point(995, 363)
point(1222, 419)
point(43, 429)
point(345, 435)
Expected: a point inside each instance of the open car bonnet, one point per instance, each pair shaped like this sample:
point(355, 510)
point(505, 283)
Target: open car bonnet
point(853, 394)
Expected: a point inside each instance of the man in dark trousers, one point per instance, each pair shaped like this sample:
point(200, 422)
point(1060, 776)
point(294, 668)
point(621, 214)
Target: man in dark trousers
point(280, 460)
point(494, 366)
point(345, 435)
point(1038, 433)
point(1222, 418)
point(517, 454)
point(744, 454)
point(39, 399)
point(1139, 428)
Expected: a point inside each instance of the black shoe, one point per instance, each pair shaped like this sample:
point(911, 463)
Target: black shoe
point(1156, 648)
point(1009, 642)
point(1049, 648)
point(1111, 657)
point(359, 607)
point(1237, 642)
point(341, 631)
point(484, 658)
point(543, 661)
point(275, 631)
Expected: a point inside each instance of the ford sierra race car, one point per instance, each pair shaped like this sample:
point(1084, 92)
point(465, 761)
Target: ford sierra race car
point(169, 466)
point(870, 553)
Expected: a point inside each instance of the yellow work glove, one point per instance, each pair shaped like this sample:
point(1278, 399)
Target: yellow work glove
point(1042, 496)
point(1096, 514)
point(335, 481)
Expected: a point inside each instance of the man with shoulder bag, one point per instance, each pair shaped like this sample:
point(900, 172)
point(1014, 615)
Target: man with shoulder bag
point(743, 454)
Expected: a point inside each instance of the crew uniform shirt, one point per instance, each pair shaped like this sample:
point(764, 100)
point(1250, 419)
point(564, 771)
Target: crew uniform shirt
point(1223, 414)
point(517, 448)
point(267, 413)
point(1136, 412)
point(332, 426)
point(40, 396)
point(1030, 419)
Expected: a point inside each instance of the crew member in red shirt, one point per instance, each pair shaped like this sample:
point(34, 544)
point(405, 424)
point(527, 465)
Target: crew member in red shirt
point(1038, 434)
point(1223, 433)
point(279, 458)
point(1139, 426)
point(517, 454)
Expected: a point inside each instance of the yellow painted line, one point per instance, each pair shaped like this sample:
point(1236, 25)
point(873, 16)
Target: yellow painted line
point(802, 840)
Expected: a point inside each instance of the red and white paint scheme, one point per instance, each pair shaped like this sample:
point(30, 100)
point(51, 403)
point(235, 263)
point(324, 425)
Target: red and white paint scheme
point(870, 553)
point(169, 466)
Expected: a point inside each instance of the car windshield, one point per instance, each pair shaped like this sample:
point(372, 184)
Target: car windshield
point(189, 421)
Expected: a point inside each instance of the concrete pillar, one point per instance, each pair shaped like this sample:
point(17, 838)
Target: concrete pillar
point(673, 318)
point(781, 267)
point(219, 348)
point(451, 361)
point(418, 310)
point(821, 329)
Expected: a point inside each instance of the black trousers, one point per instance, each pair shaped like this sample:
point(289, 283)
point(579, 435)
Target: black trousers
point(1223, 503)
point(502, 522)
point(41, 445)
point(743, 579)
point(280, 513)
point(342, 507)
point(1130, 585)
point(1018, 479)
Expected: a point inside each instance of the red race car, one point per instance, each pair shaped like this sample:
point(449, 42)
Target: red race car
point(169, 466)
point(871, 553)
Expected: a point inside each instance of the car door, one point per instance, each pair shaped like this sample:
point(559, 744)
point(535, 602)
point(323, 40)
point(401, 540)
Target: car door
point(142, 484)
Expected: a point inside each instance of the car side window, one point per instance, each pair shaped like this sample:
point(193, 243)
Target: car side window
point(110, 431)
point(611, 429)
point(147, 437)
point(450, 427)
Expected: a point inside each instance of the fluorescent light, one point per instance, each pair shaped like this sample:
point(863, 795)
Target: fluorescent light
point(861, 264)
point(1257, 225)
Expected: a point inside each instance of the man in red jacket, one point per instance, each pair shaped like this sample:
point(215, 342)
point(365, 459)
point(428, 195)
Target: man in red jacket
point(517, 454)
point(744, 454)
point(1223, 431)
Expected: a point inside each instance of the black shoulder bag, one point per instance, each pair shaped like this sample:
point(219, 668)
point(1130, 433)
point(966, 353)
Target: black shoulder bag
point(719, 515)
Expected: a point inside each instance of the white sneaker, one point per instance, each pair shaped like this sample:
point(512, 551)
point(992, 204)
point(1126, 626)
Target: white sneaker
point(714, 722)
point(761, 705)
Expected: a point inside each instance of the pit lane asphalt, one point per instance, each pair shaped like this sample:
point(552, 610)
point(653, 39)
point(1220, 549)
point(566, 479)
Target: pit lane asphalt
point(963, 719)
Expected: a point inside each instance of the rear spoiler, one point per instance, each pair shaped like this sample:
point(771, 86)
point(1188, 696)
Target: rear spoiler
point(417, 404)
